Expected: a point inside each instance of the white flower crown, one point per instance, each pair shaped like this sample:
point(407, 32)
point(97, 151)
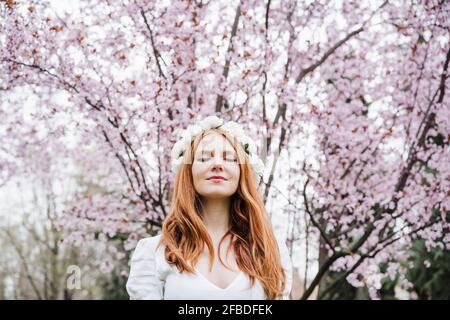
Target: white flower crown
point(231, 128)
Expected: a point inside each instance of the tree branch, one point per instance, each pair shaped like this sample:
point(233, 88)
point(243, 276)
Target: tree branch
point(226, 68)
point(313, 220)
point(155, 50)
point(24, 263)
point(371, 254)
point(327, 54)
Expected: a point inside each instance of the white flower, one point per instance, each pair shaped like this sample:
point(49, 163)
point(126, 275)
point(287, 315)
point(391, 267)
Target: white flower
point(192, 131)
point(186, 137)
point(244, 139)
point(195, 130)
point(237, 132)
point(234, 129)
point(211, 122)
point(177, 149)
point(176, 163)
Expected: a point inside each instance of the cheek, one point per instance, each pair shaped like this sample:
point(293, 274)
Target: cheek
point(198, 170)
point(236, 172)
point(195, 172)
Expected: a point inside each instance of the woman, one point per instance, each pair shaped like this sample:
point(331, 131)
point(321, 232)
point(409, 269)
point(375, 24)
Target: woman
point(217, 241)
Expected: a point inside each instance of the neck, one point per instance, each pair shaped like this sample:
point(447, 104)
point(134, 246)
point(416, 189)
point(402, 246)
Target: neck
point(216, 214)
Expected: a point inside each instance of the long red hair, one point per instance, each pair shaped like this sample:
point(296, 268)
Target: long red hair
point(255, 246)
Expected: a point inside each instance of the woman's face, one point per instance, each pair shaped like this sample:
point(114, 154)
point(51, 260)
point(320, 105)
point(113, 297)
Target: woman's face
point(215, 157)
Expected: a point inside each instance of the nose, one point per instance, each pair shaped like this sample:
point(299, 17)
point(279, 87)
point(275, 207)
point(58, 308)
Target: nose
point(217, 163)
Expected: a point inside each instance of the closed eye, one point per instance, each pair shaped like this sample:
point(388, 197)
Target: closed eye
point(203, 159)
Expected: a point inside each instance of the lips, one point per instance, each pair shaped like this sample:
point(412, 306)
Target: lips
point(217, 178)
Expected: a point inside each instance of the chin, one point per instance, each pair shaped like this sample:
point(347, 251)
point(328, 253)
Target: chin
point(216, 195)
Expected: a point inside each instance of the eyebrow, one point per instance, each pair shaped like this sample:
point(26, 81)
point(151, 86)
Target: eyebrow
point(212, 151)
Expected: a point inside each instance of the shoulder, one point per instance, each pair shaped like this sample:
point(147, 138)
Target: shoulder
point(286, 263)
point(285, 255)
point(146, 278)
point(150, 241)
point(147, 247)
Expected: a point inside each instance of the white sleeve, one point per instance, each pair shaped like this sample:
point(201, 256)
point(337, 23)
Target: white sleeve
point(287, 266)
point(144, 282)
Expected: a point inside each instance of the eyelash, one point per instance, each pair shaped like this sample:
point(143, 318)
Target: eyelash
point(231, 160)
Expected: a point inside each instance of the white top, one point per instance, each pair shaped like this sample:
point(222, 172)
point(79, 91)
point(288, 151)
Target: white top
point(152, 278)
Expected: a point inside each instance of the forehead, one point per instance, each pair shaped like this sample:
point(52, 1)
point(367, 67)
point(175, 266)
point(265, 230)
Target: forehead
point(214, 142)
